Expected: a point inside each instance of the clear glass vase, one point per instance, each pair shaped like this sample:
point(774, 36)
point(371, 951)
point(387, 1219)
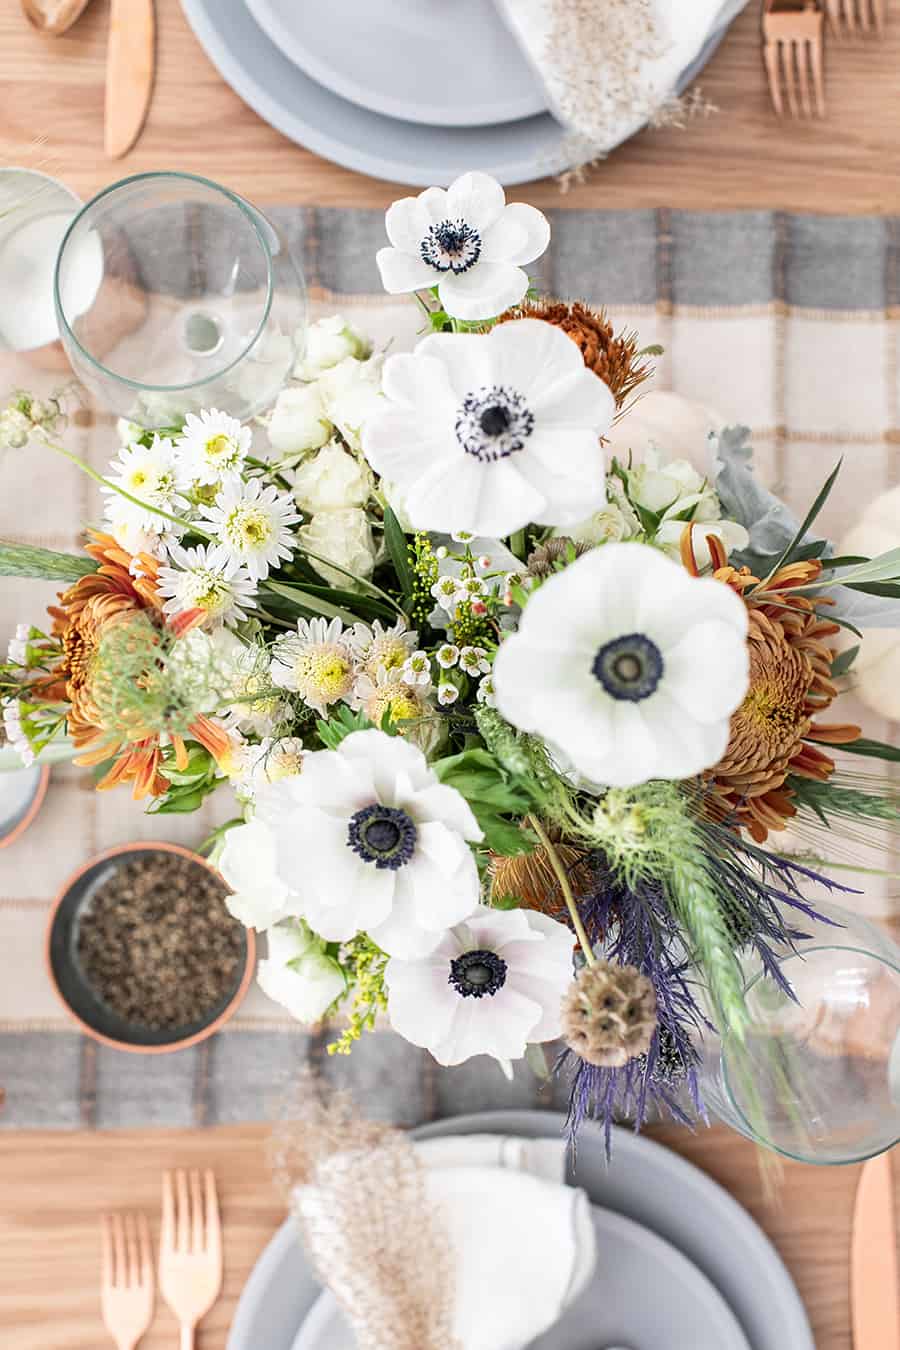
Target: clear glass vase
point(199, 301)
point(818, 1076)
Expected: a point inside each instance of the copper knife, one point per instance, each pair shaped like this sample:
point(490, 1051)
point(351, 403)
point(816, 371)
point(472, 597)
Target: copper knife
point(130, 64)
point(873, 1260)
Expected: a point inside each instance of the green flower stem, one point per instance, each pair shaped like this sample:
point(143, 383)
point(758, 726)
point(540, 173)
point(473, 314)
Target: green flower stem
point(136, 501)
point(270, 469)
point(560, 874)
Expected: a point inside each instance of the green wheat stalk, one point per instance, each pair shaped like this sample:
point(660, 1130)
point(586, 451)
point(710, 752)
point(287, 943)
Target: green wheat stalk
point(696, 906)
point(26, 560)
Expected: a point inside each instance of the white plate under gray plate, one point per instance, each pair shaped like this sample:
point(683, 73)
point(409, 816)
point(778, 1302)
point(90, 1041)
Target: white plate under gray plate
point(645, 1182)
point(644, 1294)
point(386, 147)
point(384, 56)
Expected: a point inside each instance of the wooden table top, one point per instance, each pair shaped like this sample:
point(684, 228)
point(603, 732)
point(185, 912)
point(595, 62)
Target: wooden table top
point(54, 1187)
point(741, 157)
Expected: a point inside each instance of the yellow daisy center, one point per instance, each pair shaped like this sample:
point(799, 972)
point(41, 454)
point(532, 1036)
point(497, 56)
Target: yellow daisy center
point(324, 671)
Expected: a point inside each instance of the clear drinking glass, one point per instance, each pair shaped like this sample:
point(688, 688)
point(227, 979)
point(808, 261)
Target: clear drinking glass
point(198, 300)
point(818, 1078)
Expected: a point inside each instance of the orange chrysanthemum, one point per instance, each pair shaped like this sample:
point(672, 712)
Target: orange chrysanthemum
point(86, 611)
point(773, 731)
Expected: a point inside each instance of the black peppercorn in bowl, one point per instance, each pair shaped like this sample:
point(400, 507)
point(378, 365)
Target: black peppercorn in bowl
point(142, 950)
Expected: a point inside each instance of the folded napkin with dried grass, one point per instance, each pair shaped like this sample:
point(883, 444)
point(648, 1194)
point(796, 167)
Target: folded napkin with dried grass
point(470, 1243)
point(610, 67)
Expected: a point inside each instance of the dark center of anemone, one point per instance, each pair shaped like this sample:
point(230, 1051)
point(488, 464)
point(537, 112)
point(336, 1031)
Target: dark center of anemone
point(451, 246)
point(475, 974)
point(383, 835)
point(493, 423)
point(629, 667)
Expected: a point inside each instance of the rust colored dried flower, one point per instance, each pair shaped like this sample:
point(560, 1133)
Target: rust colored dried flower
point(542, 561)
point(616, 359)
point(609, 1014)
point(531, 879)
point(790, 685)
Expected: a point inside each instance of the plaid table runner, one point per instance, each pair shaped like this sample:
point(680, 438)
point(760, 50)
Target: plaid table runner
point(788, 324)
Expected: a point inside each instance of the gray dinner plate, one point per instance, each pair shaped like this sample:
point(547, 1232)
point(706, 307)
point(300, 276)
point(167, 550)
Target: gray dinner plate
point(644, 1294)
point(385, 147)
point(645, 1183)
point(383, 57)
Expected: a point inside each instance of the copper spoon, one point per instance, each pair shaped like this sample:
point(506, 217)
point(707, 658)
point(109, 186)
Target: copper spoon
point(53, 17)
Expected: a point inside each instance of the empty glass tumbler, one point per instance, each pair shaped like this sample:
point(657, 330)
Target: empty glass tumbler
point(198, 301)
point(818, 1076)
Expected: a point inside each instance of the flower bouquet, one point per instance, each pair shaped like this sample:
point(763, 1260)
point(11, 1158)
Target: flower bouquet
point(513, 726)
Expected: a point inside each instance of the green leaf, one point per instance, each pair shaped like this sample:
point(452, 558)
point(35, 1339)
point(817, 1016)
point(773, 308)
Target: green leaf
point(847, 560)
point(503, 836)
point(862, 746)
point(180, 802)
point(339, 725)
point(649, 519)
point(843, 661)
point(43, 564)
point(395, 542)
point(883, 567)
point(888, 589)
point(308, 603)
point(811, 515)
point(505, 902)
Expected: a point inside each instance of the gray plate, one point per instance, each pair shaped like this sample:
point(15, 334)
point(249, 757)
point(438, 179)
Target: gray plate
point(382, 57)
point(385, 147)
point(646, 1183)
point(645, 1293)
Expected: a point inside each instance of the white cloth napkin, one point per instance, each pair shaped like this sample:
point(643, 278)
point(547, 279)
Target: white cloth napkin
point(683, 26)
point(522, 1241)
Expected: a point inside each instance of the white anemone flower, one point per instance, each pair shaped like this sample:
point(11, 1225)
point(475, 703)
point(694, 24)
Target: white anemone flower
point(152, 475)
point(253, 523)
point(316, 662)
point(493, 986)
point(208, 579)
point(373, 842)
point(213, 447)
point(466, 241)
point(488, 431)
point(628, 666)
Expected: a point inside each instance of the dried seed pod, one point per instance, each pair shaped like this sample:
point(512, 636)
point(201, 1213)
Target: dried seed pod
point(609, 1014)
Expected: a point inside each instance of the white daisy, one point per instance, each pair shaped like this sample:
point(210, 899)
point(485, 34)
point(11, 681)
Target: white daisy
point(447, 656)
point(252, 708)
point(376, 647)
point(252, 523)
point(417, 669)
point(493, 986)
point(627, 665)
point(152, 475)
point(467, 242)
point(134, 538)
point(213, 447)
point(373, 842)
point(206, 578)
point(316, 662)
point(269, 762)
point(474, 661)
point(488, 431)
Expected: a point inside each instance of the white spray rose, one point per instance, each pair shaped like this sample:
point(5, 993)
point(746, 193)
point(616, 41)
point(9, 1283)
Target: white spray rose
point(351, 393)
point(259, 897)
point(392, 497)
point(331, 480)
point(329, 342)
point(660, 486)
point(345, 538)
point(298, 973)
point(299, 422)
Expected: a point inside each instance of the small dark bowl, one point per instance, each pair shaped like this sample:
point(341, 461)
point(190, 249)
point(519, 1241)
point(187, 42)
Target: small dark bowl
point(78, 997)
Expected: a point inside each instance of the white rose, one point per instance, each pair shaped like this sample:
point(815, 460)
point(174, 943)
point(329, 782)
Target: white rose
point(329, 342)
point(351, 393)
point(298, 974)
point(608, 526)
point(298, 421)
point(391, 497)
point(658, 486)
point(128, 432)
point(248, 863)
point(330, 480)
point(345, 538)
point(728, 532)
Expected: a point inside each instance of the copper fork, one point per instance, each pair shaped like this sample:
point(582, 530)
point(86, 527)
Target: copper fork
point(126, 1289)
point(848, 18)
point(190, 1248)
point(793, 45)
